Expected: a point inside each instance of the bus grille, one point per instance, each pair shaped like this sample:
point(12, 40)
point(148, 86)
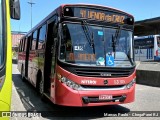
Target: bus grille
point(103, 72)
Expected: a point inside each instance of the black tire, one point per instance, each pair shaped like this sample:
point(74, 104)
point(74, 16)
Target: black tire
point(40, 87)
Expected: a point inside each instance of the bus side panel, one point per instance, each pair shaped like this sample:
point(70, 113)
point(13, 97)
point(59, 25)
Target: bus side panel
point(27, 56)
point(32, 67)
point(144, 54)
point(22, 57)
point(5, 93)
point(40, 60)
point(35, 63)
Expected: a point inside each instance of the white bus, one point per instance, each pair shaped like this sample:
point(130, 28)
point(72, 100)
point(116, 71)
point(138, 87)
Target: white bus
point(147, 48)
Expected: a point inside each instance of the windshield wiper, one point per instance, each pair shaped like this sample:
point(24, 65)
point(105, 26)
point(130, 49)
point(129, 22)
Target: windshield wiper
point(88, 34)
point(129, 58)
point(115, 38)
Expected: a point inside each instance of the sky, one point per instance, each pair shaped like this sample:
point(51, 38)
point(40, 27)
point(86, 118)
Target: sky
point(140, 9)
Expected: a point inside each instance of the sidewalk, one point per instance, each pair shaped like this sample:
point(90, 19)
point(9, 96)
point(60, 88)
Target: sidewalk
point(16, 103)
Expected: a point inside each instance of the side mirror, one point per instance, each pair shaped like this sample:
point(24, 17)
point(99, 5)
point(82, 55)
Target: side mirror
point(15, 9)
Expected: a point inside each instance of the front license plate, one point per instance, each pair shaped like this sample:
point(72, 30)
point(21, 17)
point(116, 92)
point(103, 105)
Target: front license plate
point(105, 97)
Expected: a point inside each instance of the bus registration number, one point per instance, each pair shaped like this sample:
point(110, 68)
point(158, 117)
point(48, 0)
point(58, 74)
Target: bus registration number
point(105, 97)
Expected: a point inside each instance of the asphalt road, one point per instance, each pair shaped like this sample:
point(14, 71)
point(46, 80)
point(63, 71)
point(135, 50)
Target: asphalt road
point(25, 98)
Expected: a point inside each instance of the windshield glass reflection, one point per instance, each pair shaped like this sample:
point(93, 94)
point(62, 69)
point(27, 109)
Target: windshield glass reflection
point(96, 48)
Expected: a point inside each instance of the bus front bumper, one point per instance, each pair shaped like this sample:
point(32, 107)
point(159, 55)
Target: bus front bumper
point(69, 97)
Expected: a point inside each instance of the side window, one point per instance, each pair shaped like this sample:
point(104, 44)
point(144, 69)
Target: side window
point(34, 40)
point(25, 44)
point(30, 41)
point(42, 34)
point(20, 45)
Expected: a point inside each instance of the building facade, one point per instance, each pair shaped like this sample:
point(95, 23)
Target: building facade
point(16, 35)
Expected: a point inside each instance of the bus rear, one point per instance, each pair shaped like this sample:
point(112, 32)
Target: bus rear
point(95, 62)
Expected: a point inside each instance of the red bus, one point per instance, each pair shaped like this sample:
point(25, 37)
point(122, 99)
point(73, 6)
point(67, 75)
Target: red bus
point(81, 55)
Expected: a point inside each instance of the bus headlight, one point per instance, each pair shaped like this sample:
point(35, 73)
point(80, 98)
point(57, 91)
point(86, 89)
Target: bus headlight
point(2, 81)
point(128, 86)
point(68, 82)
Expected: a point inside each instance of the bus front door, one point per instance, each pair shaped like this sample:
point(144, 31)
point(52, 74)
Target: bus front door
point(49, 55)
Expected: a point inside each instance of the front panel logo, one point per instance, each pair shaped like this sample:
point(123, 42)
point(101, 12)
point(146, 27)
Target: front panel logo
point(105, 74)
point(105, 82)
point(89, 82)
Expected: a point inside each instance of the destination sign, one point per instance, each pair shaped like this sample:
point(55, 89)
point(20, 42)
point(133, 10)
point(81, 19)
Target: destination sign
point(96, 14)
point(91, 14)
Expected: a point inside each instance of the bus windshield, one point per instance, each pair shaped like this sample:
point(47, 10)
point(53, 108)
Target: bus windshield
point(89, 45)
point(1, 35)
